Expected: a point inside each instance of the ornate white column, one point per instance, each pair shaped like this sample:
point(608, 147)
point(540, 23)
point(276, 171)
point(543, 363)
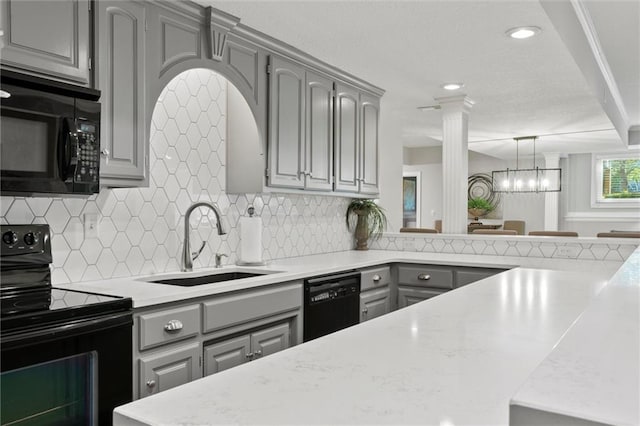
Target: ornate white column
point(455, 162)
point(551, 199)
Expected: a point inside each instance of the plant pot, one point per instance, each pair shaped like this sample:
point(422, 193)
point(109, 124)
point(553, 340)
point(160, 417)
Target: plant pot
point(476, 213)
point(362, 231)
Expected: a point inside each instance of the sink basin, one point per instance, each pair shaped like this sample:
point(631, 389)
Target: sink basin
point(207, 279)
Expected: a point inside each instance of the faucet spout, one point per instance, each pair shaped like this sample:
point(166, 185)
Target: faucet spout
point(187, 260)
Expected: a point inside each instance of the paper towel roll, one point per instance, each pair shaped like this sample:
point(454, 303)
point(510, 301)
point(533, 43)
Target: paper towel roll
point(250, 239)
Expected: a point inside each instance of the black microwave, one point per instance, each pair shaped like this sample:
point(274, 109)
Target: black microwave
point(49, 137)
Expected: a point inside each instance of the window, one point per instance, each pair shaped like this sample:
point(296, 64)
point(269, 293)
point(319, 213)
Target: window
point(616, 180)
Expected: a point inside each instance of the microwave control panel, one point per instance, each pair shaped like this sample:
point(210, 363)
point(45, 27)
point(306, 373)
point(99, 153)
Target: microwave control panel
point(88, 152)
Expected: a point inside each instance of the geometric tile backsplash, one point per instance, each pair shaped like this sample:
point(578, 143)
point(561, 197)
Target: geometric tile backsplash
point(141, 229)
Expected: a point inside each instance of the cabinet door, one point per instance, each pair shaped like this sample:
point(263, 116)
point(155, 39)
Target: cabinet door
point(346, 139)
point(50, 38)
point(374, 303)
point(409, 295)
point(369, 117)
point(227, 354)
point(270, 340)
point(121, 45)
point(286, 124)
point(319, 133)
point(168, 369)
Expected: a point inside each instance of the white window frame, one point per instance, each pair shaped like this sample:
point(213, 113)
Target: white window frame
point(597, 200)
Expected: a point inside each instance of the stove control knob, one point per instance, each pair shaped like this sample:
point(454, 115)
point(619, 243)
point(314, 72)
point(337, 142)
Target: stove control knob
point(30, 239)
point(10, 238)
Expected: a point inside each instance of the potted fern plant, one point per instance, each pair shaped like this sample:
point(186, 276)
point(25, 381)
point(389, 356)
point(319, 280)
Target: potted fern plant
point(479, 207)
point(367, 219)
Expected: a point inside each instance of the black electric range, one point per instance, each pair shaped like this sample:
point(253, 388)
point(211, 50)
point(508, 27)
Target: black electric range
point(66, 356)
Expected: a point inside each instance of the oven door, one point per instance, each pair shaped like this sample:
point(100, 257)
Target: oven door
point(74, 373)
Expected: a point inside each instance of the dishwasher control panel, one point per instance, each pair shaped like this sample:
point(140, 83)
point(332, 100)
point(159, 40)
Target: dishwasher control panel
point(333, 293)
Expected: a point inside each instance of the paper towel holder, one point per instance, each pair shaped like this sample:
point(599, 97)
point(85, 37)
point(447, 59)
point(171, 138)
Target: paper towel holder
point(251, 211)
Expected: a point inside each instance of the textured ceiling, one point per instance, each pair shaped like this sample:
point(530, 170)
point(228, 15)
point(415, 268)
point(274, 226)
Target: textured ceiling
point(409, 48)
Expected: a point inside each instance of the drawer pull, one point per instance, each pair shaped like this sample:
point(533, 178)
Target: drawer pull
point(258, 353)
point(249, 355)
point(173, 326)
point(365, 311)
point(377, 278)
point(151, 384)
point(424, 277)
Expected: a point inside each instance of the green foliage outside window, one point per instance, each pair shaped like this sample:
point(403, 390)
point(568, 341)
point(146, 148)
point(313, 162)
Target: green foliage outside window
point(621, 178)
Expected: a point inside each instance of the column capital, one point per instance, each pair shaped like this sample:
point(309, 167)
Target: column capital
point(457, 103)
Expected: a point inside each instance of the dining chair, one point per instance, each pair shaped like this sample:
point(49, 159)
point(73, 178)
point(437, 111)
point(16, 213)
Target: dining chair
point(514, 225)
point(553, 233)
point(618, 234)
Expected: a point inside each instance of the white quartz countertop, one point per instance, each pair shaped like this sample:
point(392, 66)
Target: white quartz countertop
point(453, 360)
point(146, 294)
point(594, 372)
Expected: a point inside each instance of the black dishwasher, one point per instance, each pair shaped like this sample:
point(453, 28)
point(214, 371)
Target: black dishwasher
point(331, 303)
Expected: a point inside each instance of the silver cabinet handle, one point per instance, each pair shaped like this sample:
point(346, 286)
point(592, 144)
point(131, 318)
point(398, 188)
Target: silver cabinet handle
point(151, 384)
point(104, 152)
point(377, 278)
point(249, 355)
point(258, 353)
point(424, 277)
point(173, 326)
point(365, 311)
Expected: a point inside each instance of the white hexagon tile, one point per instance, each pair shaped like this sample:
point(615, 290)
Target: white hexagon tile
point(141, 230)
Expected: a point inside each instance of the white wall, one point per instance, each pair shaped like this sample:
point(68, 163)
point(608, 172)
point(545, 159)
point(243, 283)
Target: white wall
point(390, 160)
point(576, 213)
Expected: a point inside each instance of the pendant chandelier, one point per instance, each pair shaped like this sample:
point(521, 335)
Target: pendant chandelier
point(526, 180)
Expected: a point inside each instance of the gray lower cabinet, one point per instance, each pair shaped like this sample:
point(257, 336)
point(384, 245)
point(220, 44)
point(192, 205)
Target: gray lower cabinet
point(409, 295)
point(421, 282)
point(227, 354)
point(49, 38)
point(169, 368)
point(374, 303)
point(121, 78)
point(238, 350)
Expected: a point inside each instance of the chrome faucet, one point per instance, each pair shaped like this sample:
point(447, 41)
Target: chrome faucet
point(187, 256)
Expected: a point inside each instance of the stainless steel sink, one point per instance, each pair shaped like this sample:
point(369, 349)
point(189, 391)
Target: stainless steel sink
point(207, 279)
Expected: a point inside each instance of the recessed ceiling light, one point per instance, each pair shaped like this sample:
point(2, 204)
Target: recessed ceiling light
point(523, 32)
point(452, 86)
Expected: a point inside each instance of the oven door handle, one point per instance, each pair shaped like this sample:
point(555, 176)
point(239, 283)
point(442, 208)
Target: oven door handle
point(65, 330)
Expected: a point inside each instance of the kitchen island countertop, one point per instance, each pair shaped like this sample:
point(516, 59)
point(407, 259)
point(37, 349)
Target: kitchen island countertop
point(455, 359)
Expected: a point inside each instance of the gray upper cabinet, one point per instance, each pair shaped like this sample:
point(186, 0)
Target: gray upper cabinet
point(347, 150)
point(369, 169)
point(319, 132)
point(121, 77)
point(50, 38)
point(286, 129)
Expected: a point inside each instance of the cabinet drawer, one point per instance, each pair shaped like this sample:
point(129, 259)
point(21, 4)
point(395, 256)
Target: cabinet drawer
point(168, 326)
point(426, 276)
point(227, 311)
point(470, 275)
point(375, 277)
